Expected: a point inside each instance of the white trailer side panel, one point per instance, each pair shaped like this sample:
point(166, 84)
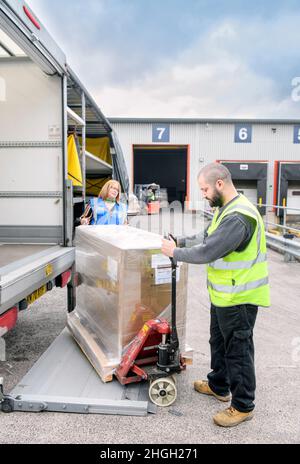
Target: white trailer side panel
point(33, 102)
point(31, 151)
point(30, 212)
point(31, 169)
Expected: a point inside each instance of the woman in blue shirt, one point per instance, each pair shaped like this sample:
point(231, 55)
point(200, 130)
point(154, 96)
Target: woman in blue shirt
point(107, 208)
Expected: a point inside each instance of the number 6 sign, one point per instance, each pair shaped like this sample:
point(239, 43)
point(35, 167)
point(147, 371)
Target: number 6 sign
point(243, 133)
point(161, 133)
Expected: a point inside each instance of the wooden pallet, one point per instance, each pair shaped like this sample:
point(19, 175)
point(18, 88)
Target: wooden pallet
point(88, 344)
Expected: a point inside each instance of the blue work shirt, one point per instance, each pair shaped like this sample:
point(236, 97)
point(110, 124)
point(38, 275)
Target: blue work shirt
point(102, 215)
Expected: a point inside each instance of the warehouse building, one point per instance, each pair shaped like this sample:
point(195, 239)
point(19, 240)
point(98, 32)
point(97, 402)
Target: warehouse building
point(262, 155)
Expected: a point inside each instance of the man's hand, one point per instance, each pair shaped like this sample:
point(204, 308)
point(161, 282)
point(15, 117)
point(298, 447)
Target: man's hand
point(168, 247)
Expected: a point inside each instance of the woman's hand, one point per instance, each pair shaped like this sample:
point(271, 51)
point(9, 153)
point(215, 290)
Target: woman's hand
point(84, 221)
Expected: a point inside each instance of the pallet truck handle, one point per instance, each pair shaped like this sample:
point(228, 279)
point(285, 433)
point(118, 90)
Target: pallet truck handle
point(173, 238)
point(174, 335)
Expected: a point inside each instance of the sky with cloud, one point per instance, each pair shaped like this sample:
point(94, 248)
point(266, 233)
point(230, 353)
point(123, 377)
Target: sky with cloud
point(181, 58)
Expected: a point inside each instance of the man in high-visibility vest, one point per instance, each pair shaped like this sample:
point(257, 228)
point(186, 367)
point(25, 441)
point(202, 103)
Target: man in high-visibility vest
point(234, 249)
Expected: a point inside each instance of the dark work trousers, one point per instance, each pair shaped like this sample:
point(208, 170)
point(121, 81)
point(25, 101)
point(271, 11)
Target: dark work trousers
point(232, 354)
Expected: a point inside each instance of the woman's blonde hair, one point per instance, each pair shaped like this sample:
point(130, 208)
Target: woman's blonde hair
point(105, 189)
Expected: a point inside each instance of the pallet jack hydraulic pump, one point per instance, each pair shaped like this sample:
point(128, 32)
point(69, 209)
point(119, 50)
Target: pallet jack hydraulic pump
point(154, 356)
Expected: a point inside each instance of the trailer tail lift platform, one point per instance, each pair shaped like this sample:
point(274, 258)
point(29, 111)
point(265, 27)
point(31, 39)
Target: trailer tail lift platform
point(63, 380)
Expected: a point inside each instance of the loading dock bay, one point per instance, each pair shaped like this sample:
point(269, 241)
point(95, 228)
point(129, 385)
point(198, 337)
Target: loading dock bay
point(167, 166)
point(287, 182)
point(250, 178)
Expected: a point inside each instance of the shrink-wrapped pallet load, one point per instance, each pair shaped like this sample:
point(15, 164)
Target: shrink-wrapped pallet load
point(123, 281)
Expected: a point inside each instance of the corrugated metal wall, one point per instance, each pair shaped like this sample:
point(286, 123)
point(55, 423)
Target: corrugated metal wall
point(215, 141)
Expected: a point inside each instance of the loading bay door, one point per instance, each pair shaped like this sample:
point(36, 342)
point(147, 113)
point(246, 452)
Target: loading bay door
point(288, 186)
point(163, 165)
point(247, 188)
point(293, 198)
point(250, 178)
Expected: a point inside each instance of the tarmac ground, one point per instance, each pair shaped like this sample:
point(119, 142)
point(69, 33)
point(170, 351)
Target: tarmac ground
point(189, 420)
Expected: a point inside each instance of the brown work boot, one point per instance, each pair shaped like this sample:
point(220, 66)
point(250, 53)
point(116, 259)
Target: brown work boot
point(231, 417)
point(202, 386)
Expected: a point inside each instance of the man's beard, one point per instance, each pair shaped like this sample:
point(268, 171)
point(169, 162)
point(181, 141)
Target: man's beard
point(216, 201)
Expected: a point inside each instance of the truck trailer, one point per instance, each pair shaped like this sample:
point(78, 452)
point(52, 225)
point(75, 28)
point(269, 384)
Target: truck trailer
point(42, 103)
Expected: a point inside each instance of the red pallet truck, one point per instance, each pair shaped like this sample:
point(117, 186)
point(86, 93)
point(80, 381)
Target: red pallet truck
point(154, 356)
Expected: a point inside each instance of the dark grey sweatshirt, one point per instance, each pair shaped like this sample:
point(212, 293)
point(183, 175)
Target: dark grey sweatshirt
point(233, 234)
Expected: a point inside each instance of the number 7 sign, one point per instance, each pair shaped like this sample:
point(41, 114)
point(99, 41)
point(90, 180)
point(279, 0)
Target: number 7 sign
point(161, 133)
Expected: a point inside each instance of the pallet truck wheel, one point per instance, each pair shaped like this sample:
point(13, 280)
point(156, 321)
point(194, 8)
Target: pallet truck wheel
point(163, 392)
point(6, 407)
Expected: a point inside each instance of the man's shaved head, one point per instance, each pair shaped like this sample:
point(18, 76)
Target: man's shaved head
point(214, 172)
point(214, 181)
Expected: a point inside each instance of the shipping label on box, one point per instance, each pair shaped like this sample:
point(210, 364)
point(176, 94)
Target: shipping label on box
point(112, 268)
point(164, 276)
point(160, 261)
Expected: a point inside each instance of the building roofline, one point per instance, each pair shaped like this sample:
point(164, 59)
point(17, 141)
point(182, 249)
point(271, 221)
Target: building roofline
point(202, 120)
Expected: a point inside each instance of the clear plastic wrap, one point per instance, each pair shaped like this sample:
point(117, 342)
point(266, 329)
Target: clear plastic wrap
point(124, 281)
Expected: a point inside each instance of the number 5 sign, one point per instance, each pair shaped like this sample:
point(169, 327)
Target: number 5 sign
point(243, 133)
point(161, 133)
point(296, 134)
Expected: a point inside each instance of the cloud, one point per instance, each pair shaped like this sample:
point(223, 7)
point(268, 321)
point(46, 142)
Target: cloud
point(148, 59)
point(197, 91)
point(217, 76)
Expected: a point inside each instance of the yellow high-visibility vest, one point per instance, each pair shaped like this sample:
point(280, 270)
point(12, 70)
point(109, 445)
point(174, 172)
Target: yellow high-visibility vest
point(240, 277)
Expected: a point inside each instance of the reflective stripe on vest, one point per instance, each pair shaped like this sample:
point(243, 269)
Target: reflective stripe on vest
point(239, 288)
point(234, 266)
point(261, 257)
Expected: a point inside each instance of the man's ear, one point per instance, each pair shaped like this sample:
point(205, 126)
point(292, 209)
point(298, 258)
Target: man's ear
point(219, 184)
